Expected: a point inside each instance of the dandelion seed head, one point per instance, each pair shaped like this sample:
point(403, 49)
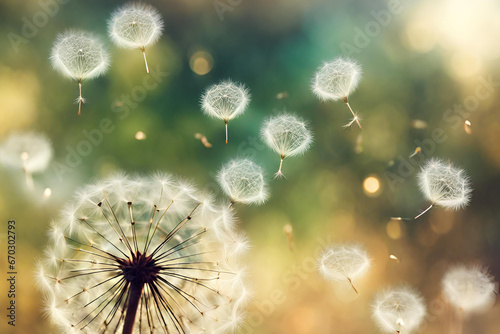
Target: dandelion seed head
point(135, 25)
point(243, 181)
point(469, 288)
point(444, 185)
point(225, 100)
point(30, 151)
point(79, 55)
point(343, 262)
point(400, 309)
point(287, 135)
point(336, 79)
point(155, 232)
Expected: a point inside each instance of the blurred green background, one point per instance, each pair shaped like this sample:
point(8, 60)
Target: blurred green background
point(421, 59)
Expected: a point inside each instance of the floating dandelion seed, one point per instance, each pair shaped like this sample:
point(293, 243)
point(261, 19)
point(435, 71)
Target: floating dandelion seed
point(29, 151)
point(287, 135)
point(282, 95)
point(79, 55)
point(469, 288)
point(143, 255)
point(418, 124)
point(135, 25)
point(468, 127)
point(394, 257)
point(418, 150)
point(398, 310)
point(225, 101)
point(203, 140)
point(243, 181)
point(444, 185)
point(335, 80)
point(344, 263)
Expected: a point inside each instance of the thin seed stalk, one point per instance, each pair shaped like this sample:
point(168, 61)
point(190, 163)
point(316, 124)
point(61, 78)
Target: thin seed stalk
point(27, 175)
point(226, 132)
point(279, 173)
point(423, 212)
point(80, 97)
point(352, 286)
point(29, 180)
point(355, 117)
point(143, 49)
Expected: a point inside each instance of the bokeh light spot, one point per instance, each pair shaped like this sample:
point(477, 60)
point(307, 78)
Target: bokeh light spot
point(420, 36)
point(201, 62)
point(140, 135)
point(394, 229)
point(371, 186)
point(47, 193)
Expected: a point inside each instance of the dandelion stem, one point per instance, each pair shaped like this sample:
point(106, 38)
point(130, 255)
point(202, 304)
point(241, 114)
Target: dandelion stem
point(29, 180)
point(356, 118)
point(460, 321)
point(80, 97)
point(27, 175)
point(226, 132)
point(134, 297)
point(143, 49)
point(400, 324)
point(423, 212)
point(352, 285)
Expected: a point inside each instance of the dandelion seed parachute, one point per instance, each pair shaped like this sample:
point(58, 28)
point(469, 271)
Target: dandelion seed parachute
point(336, 80)
point(225, 101)
point(29, 151)
point(135, 25)
point(287, 135)
point(469, 288)
point(444, 185)
point(144, 255)
point(79, 55)
point(243, 181)
point(344, 263)
point(398, 310)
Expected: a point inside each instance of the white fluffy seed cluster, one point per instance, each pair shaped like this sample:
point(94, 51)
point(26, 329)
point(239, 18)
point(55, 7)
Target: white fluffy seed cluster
point(225, 100)
point(336, 79)
point(29, 151)
point(444, 185)
point(398, 310)
point(287, 135)
point(135, 25)
point(344, 263)
point(199, 286)
point(469, 288)
point(79, 55)
point(243, 181)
